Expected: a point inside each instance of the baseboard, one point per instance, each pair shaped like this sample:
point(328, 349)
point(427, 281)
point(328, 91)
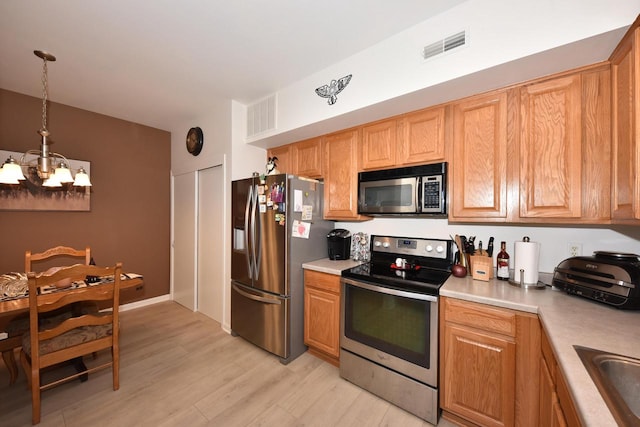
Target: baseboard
point(145, 302)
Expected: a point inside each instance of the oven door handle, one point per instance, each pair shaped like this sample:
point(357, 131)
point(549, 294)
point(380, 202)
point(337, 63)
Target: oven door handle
point(389, 291)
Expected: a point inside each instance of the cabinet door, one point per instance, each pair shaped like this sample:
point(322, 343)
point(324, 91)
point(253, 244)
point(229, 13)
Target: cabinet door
point(322, 320)
point(479, 373)
point(551, 149)
point(308, 157)
point(626, 152)
point(341, 176)
point(479, 166)
point(378, 145)
point(550, 412)
point(285, 162)
point(421, 137)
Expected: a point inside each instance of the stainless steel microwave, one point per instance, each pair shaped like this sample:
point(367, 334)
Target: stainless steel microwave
point(415, 190)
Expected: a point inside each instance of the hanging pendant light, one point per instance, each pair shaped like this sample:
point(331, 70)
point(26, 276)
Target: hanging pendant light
point(11, 172)
point(53, 168)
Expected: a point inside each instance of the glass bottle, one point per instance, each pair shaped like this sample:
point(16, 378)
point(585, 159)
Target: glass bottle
point(502, 262)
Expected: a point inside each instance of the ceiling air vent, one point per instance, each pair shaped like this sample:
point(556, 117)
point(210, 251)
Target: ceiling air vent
point(445, 45)
point(261, 116)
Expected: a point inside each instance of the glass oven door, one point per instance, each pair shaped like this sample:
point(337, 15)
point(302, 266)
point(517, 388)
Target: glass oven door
point(391, 327)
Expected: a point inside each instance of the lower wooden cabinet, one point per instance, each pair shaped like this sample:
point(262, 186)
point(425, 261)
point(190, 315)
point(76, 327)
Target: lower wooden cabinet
point(487, 355)
point(322, 315)
point(556, 406)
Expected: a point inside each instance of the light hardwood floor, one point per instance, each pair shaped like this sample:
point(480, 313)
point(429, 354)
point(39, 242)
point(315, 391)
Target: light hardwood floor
point(179, 368)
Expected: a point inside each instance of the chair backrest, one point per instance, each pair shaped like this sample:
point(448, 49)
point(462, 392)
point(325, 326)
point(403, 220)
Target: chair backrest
point(58, 251)
point(67, 286)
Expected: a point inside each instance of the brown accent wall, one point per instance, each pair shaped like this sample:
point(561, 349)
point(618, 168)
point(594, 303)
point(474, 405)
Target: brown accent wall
point(130, 212)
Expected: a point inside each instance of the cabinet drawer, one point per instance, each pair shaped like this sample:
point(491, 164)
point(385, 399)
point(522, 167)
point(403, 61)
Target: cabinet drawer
point(326, 281)
point(479, 316)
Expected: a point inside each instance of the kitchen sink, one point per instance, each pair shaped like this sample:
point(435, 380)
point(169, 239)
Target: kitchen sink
point(618, 380)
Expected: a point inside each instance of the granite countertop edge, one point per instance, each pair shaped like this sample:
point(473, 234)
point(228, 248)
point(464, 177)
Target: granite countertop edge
point(326, 265)
point(568, 320)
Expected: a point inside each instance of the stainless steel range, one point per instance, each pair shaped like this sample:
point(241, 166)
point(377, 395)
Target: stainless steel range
point(389, 321)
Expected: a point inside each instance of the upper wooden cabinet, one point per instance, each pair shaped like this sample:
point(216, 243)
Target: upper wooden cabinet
point(285, 158)
point(551, 149)
point(478, 170)
point(409, 139)
point(378, 145)
point(307, 158)
point(537, 153)
point(341, 176)
point(625, 79)
point(565, 151)
point(421, 137)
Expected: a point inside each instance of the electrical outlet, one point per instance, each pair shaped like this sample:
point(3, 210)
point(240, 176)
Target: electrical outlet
point(574, 249)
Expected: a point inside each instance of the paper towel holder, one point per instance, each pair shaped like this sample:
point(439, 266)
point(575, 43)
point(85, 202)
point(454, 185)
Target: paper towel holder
point(521, 283)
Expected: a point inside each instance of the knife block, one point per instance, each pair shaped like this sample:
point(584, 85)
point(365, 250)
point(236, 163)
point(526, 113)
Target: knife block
point(481, 267)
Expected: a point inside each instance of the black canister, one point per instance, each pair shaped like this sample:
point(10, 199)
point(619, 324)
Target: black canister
point(339, 244)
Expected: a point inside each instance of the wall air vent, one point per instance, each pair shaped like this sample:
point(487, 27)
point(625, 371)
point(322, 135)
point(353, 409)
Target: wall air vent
point(261, 116)
point(445, 45)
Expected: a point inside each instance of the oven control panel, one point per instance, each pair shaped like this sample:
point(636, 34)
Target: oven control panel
point(432, 248)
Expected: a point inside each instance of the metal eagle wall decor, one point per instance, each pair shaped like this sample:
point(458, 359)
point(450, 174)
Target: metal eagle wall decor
point(332, 89)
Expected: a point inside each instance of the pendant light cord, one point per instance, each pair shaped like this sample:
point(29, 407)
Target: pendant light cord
point(45, 90)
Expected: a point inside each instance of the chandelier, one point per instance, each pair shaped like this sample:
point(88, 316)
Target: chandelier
point(53, 168)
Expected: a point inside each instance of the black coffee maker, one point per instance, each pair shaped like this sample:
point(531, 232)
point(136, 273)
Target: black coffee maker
point(339, 243)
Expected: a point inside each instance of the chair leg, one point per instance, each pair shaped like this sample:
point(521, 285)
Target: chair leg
point(26, 366)
point(35, 397)
point(33, 381)
point(10, 360)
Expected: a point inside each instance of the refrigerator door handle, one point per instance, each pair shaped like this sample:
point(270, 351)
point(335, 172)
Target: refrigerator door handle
point(247, 230)
point(257, 258)
point(254, 210)
point(265, 300)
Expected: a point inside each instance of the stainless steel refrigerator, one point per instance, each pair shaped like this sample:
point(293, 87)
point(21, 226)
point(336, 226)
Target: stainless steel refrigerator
point(277, 226)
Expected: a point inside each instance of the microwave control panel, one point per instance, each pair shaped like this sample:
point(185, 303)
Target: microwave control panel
point(432, 194)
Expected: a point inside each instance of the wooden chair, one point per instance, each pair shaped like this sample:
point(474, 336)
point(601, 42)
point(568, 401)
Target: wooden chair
point(17, 327)
point(50, 344)
point(58, 251)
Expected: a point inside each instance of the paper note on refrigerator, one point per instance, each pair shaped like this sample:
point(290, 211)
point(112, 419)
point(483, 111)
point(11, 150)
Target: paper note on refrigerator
point(297, 200)
point(307, 213)
point(300, 229)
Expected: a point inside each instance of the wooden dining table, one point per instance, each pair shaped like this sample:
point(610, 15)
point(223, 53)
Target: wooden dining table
point(16, 306)
point(12, 308)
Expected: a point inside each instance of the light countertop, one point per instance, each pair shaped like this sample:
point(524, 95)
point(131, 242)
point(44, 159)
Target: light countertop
point(568, 321)
point(325, 265)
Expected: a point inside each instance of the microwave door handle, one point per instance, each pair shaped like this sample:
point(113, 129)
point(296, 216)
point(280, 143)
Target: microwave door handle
point(418, 195)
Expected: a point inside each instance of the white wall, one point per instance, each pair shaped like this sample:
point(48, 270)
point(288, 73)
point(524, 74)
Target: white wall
point(216, 125)
point(246, 158)
point(500, 32)
point(553, 240)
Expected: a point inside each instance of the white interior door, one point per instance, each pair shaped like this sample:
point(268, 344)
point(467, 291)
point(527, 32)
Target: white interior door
point(211, 242)
point(184, 239)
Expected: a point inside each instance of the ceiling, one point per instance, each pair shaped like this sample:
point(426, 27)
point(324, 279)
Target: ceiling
point(161, 62)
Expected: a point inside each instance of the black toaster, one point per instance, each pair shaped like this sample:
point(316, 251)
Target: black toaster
point(607, 277)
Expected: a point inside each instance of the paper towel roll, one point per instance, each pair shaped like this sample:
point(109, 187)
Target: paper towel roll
point(527, 257)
